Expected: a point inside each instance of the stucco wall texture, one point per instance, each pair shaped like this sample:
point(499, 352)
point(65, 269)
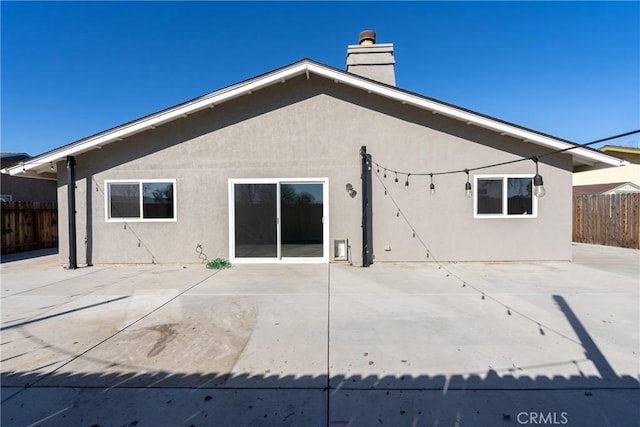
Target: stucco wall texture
point(315, 128)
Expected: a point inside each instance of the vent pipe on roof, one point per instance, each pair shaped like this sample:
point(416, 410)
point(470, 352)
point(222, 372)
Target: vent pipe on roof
point(371, 60)
point(367, 37)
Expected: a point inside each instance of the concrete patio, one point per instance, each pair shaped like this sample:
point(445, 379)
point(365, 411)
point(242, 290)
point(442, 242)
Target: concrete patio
point(465, 344)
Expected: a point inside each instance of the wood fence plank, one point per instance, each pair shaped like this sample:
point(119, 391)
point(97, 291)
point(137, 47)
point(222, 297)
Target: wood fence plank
point(612, 220)
point(28, 226)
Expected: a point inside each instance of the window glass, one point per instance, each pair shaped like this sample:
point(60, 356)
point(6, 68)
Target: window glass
point(256, 214)
point(519, 198)
point(504, 196)
point(151, 200)
point(124, 200)
point(301, 227)
point(489, 196)
point(157, 200)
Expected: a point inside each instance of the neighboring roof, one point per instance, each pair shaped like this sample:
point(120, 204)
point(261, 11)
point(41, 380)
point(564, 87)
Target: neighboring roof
point(620, 149)
point(41, 163)
point(630, 154)
point(6, 157)
point(611, 188)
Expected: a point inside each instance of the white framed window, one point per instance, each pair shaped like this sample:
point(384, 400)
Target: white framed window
point(148, 200)
point(504, 196)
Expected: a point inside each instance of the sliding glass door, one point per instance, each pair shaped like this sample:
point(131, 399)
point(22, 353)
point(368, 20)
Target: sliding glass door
point(278, 220)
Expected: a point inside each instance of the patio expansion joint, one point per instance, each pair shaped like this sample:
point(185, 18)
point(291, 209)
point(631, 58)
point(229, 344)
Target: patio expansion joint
point(50, 284)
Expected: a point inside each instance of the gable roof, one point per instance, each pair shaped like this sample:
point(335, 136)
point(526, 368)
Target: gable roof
point(44, 163)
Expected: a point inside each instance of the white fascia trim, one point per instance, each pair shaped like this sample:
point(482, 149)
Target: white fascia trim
point(464, 116)
point(167, 116)
point(301, 68)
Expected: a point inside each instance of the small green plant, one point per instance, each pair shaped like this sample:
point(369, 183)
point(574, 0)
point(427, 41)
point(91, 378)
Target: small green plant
point(218, 264)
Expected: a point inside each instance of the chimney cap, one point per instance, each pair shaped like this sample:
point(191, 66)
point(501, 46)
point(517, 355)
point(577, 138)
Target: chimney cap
point(367, 37)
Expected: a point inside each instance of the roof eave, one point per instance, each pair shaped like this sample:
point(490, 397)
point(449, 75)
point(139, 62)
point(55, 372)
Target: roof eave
point(580, 155)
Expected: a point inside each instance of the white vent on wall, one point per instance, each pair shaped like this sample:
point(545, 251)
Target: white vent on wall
point(340, 249)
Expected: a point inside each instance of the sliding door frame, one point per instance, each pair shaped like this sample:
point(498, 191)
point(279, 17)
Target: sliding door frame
point(279, 259)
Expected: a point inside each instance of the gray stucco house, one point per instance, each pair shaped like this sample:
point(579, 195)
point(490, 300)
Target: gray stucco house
point(271, 170)
point(16, 189)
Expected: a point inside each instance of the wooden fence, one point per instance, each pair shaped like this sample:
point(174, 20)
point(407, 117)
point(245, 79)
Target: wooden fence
point(612, 220)
point(28, 226)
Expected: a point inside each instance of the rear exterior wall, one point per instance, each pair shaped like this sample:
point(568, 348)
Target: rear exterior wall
point(315, 128)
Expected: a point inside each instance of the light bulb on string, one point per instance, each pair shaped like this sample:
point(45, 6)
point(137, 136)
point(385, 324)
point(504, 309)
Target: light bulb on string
point(385, 173)
point(538, 183)
point(432, 187)
point(396, 178)
point(467, 185)
point(406, 183)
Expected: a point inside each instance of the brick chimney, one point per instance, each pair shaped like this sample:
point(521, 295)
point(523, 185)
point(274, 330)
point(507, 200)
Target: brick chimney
point(371, 60)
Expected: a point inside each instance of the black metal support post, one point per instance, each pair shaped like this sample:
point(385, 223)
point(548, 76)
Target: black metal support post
point(71, 203)
point(367, 213)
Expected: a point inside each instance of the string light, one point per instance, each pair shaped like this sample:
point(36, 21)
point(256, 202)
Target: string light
point(467, 185)
point(396, 178)
point(432, 187)
point(406, 183)
point(538, 184)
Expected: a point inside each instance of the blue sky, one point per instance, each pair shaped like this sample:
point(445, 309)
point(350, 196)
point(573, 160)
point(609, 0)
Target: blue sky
point(72, 69)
